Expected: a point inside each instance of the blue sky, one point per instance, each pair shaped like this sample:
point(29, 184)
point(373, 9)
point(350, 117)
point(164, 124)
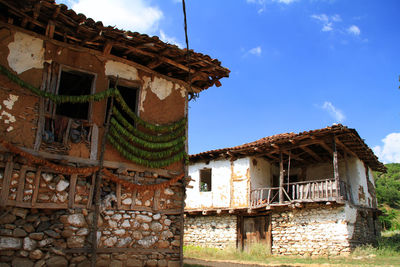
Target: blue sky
point(296, 65)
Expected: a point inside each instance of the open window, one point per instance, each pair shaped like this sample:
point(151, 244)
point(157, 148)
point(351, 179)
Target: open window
point(205, 180)
point(74, 82)
point(129, 93)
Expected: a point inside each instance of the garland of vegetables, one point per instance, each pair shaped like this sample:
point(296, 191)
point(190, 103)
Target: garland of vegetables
point(155, 146)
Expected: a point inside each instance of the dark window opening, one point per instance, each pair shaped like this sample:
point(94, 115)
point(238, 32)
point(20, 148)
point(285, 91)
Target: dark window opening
point(74, 83)
point(205, 180)
point(130, 95)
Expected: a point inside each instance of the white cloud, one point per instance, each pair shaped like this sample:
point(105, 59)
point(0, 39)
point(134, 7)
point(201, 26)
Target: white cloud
point(256, 51)
point(287, 2)
point(390, 151)
point(327, 21)
point(353, 29)
point(334, 112)
point(262, 3)
point(168, 39)
point(133, 15)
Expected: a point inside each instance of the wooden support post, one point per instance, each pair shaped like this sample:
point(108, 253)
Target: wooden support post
point(72, 186)
point(156, 200)
point(21, 183)
point(6, 181)
point(281, 196)
point(118, 189)
point(336, 169)
point(37, 185)
point(97, 189)
point(134, 193)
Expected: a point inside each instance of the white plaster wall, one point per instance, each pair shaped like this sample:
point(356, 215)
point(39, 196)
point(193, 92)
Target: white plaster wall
point(26, 52)
point(220, 185)
point(358, 180)
point(122, 70)
point(320, 171)
point(222, 178)
point(261, 173)
point(240, 183)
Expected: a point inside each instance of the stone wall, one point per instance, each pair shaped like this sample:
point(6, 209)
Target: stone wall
point(321, 231)
point(31, 237)
point(211, 231)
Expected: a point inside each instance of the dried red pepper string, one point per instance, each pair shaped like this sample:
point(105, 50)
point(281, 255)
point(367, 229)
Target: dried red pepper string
point(88, 170)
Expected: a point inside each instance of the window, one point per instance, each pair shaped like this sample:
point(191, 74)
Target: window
point(129, 93)
point(205, 180)
point(74, 83)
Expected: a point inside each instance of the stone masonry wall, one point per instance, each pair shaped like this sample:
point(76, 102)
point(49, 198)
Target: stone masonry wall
point(314, 231)
point(31, 237)
point(211, 231)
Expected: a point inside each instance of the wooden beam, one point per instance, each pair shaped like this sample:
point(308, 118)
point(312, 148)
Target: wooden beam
point(21, 183)
point(312, 153)
point(107, 48)
point(51, 26)
point(281, 196)
point(344, 147)
point(336, 168)
point(107, 164)
point(37, 186)
point(72, 186)
point(161, 58)
point(156, 200)
point(326, 147)
point(6, 181)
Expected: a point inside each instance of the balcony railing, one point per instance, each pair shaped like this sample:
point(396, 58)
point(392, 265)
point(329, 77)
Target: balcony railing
point(307, 191)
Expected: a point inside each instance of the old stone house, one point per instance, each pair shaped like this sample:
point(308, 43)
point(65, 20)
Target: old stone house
point(92, 139)
point(309, 193)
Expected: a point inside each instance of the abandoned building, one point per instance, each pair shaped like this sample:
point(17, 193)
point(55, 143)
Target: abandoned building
point(93, 139)
point(310, 193)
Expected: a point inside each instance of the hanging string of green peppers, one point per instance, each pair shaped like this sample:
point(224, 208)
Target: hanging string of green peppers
point(153, 127)
point(158, 146)
point(153, 155)
point(57, 98)
point(165, 137)
point(148, 163)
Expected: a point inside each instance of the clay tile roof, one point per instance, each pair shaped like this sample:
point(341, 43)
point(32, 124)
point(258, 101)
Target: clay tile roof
point(41, 16)
point(347, 141)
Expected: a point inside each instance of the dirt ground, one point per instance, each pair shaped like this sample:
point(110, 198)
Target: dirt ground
point(189, 262)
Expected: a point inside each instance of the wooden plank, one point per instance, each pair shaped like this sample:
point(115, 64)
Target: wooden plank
point(38, 205)
point(281, 197)
point(118, 193)
point(156, 200)
point(107, 164)
point(312, 153)
point(94, 142)
point(72, 187)
point(21, 183)
point(336, 168)
point(134, 193)
point(41, 120)
point(50, 28)
point(6, 181)
point(36, 186)
point(91, 192)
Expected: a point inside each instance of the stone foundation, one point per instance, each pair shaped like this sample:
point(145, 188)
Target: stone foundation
point(31, 237)
point(320, 231)
point(211, 231)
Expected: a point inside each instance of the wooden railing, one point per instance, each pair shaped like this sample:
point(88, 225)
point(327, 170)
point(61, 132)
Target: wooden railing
point(306, 191)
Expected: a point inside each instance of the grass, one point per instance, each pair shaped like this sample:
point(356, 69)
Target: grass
point(386, 253)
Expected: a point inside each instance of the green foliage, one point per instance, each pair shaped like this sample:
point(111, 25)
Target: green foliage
point(388, 196)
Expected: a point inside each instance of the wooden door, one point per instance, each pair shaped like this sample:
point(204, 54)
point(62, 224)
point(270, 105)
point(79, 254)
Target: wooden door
point(256, 229)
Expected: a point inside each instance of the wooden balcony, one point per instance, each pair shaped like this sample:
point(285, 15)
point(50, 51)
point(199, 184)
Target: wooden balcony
point(307, 191)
